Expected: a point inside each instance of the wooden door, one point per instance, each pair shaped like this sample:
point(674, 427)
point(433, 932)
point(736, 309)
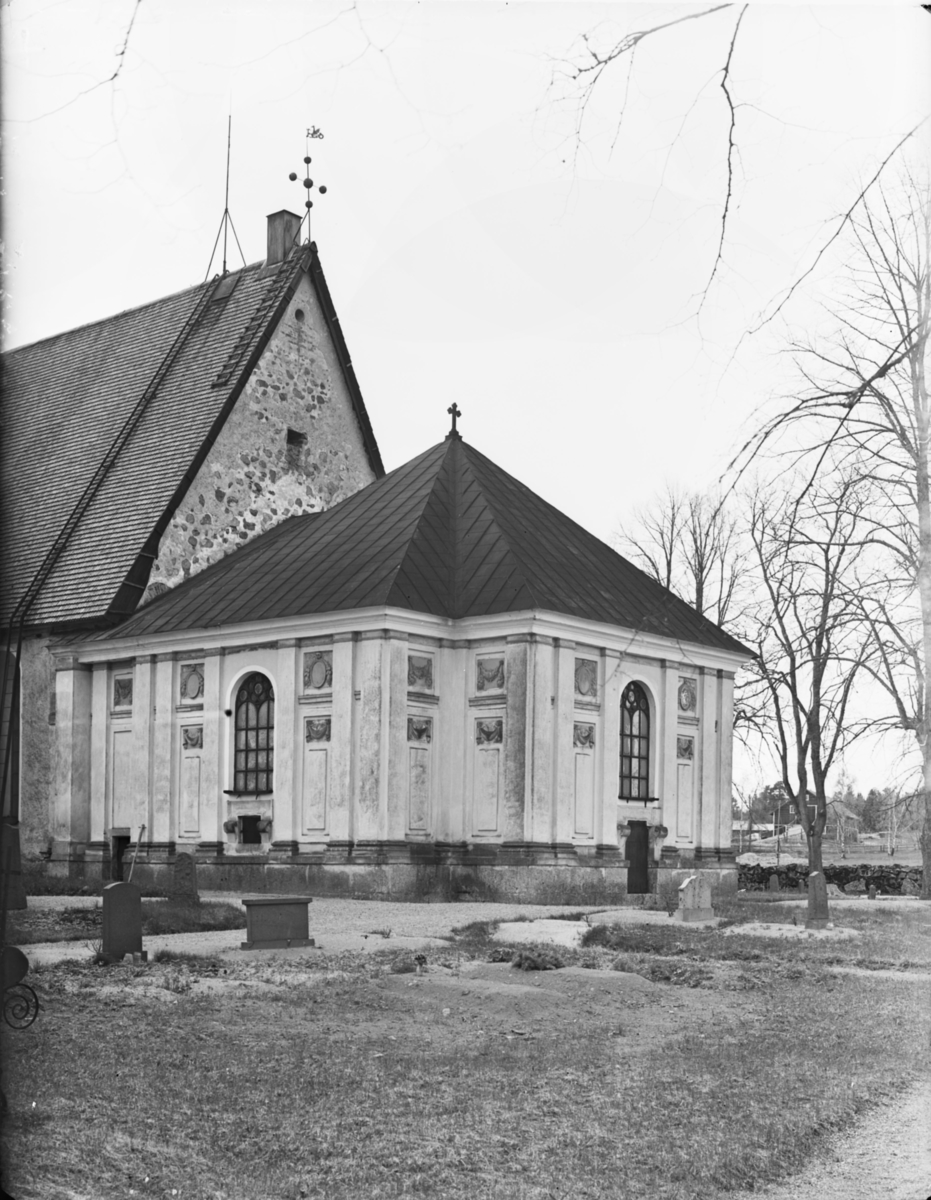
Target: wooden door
point(638, 849)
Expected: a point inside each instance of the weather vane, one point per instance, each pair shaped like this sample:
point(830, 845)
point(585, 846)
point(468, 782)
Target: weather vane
point(308, 183)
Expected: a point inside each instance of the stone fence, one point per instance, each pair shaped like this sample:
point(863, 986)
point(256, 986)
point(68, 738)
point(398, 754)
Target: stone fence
point(889, 879)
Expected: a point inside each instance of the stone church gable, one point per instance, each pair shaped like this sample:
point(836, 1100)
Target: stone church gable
point(292, 444)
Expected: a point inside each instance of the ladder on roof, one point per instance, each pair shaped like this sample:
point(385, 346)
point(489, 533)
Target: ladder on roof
point(286, 281)
point(14, 635)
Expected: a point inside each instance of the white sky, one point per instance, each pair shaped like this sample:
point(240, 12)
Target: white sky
point(474, 250)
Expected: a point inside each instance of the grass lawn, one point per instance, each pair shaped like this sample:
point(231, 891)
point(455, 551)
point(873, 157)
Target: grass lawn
point(27, 926)
point(355, 1076)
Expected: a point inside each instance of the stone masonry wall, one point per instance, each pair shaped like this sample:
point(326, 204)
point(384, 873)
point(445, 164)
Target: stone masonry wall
point(252, 477)
point(37, 700)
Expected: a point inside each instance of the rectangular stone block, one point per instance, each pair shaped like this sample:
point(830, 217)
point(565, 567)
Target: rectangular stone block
point(276, 922)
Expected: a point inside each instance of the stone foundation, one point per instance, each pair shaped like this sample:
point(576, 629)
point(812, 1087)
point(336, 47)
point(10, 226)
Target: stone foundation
point(518, 873)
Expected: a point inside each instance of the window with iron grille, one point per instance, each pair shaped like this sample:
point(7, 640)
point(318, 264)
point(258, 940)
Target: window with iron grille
point(255, 735)
point(635, 744)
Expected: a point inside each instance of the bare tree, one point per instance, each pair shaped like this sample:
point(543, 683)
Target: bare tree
point(810, 644)
point(865, 400)
point(690, 544)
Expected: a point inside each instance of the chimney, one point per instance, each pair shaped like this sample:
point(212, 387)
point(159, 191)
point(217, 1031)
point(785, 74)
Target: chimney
point(283, 229)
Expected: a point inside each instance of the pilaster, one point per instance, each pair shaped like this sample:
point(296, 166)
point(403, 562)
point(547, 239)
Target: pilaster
point(710, 800)
point(163, 825)
point(98, 764)
point(371, 784)
point(286, 800)
point(542, 704)
point(564, 754)
point(71, 815)
point(216, 723)
point(339, 799)
point(397, 771)
point(143, 706)
point(518, 690)
point(611, 744)
point(725, 741)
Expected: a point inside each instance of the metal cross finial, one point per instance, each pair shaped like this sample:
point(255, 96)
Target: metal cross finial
point(454, 412)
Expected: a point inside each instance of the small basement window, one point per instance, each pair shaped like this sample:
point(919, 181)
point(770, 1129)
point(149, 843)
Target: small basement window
point(249, 834)
point(296, 441)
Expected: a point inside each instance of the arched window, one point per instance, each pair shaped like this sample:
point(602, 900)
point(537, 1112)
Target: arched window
point(635, 744)
point(253, 766)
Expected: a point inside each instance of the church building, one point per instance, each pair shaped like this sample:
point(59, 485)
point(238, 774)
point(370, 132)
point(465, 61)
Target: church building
point(232, 635)
point(439, 687)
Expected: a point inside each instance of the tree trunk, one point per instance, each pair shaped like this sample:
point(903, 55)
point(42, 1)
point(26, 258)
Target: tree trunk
point(924, 840)
point(818, 915)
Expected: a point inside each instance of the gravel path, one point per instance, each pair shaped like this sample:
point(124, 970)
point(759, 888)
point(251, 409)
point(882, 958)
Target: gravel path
point(885, 1156)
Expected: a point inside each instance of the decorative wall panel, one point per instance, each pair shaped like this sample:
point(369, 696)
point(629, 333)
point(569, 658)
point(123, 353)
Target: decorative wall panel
point(419, 789)
point(584, 795)
point(191, 689)
point(121, 778)
point(684, 800)
point(318, 670)
point(685, 748)
point(314, 788)
point(420, 672)
point(420, 729)
point(688, 695)
point(486, 788)
point(123, 691)
point(190, 778)
point(586, 678)
point(489, 674)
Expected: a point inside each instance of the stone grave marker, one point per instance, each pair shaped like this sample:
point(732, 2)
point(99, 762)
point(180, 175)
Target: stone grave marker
point(774, 883)
point(695, 899)
point(183, 883)
point(122, 921)
point(818, 915)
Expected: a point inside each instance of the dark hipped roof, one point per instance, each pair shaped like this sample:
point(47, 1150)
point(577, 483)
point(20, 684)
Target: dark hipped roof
point(449, 533)
point(66, 399)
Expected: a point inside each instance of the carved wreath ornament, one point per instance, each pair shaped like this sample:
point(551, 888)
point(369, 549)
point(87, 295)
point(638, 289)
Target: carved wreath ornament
point(317, 729)
point(489, 732)
point(420, 672)
point(586, 678)
point(192, 737)
point(318, 670)
point(192, 683)
point(583, 736)
point(420, 729)
point(688, 695)
point(489, 674)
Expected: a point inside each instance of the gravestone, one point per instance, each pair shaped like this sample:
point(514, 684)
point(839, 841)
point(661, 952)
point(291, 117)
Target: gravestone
point(122, 921)
point(834, 890)
point(276, 922)
point(183, 883)
point(695, 899)
point(774, 883)
point(818, 915)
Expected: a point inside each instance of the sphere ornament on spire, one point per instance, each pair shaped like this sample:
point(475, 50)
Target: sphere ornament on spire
point(307, 183)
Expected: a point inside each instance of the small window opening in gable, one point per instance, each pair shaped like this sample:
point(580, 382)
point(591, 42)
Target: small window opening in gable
point(296, 441)
point(299, 314)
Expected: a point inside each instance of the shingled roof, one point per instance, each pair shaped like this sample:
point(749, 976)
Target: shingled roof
point(105, 426)
point(449, 533)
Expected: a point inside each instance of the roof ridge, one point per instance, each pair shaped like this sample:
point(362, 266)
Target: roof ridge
point(123, 312)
